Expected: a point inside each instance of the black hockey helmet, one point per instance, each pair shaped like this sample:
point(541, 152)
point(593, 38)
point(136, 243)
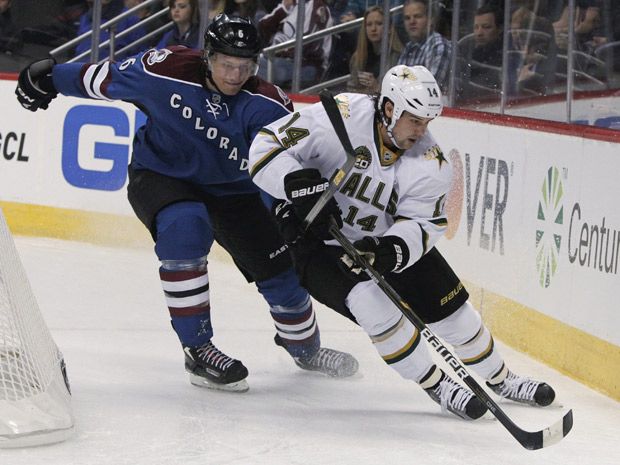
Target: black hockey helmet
point(232, 35)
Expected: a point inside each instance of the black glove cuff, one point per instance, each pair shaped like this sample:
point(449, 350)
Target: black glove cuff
point(401, 252)
point(40, 75)
point(304, 184)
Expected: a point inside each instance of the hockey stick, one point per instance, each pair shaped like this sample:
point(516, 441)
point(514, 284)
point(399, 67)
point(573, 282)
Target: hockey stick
point(333, 113)
point(529, 440)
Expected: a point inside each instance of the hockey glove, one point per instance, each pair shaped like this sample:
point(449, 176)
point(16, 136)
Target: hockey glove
point(35, 88)
point(303, 188)
point(385, 254)
point(289, 225)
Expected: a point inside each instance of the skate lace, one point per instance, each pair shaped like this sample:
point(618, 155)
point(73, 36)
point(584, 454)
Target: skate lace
point(326, 358)
point(213, 356)
point(518, 387)
point(452, 395)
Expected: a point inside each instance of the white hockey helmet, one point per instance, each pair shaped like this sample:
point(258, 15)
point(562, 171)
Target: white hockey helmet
point(412, 89)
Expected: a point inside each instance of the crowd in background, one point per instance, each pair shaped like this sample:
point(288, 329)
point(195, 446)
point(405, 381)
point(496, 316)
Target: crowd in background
point(420, 33)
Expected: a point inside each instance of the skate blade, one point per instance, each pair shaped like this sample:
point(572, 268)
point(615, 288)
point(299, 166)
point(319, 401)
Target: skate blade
point(238, 386)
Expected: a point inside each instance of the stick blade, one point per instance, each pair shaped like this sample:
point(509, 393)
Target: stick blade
point(550, 435)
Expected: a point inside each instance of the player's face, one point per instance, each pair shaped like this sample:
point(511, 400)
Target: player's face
point(416, 20)
point(230, 73)
point(485, 30)
point(408, 129)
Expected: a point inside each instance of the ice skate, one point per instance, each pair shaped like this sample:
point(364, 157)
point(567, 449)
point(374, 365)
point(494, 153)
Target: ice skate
point(328, 361)
point(331, 362)
point(208, 367)
point(456, 398)
point(524, 390)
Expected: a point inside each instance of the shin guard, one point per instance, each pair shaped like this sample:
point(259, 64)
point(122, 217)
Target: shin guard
point(187, 295)
point(398, 342)
point(472, 341)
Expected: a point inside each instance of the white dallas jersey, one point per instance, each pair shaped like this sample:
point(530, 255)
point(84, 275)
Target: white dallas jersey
point(403, 196)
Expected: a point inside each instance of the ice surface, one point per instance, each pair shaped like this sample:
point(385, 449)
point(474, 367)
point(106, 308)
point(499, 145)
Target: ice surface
point(135, 406)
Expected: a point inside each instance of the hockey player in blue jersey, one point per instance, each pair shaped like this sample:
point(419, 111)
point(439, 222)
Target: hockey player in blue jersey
point(189, 184)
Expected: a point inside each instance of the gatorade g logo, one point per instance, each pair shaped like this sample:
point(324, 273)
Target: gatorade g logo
point(95, 147)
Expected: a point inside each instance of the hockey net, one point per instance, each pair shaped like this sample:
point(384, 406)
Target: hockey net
point(35, 403)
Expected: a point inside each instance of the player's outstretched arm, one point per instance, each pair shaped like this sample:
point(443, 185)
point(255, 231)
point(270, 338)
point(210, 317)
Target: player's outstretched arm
point(35, 88)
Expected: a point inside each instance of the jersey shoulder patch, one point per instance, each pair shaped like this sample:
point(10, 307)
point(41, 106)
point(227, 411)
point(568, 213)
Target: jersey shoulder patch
point(180, 63)
point(256, 85)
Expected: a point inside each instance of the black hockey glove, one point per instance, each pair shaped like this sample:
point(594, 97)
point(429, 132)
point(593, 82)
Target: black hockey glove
point(385, 254)
point(289, 225)
point(303, 188)
point(35, 88)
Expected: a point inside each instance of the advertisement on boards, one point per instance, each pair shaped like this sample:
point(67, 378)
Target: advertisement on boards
point(73, 155)
point(532, 217)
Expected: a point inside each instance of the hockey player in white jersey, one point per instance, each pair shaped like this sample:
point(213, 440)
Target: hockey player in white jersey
point(391, 205)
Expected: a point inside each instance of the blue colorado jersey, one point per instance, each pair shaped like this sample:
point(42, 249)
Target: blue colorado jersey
point(191, 132)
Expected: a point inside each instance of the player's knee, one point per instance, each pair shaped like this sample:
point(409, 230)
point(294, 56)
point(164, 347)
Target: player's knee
point(460, 327)
point(372, 309)
point(183, 231)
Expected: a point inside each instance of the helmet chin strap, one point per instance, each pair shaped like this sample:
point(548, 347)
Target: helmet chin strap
point(389, 127)
point(208, 73)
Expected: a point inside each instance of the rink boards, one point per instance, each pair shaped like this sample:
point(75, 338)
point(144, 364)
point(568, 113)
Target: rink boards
point(534, 224)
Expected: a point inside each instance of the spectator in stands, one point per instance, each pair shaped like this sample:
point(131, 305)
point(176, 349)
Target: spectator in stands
point(150, 25)
point(280, 25)
point(142, 12)
point(366, 60)
point(10, 41)
point(608, 35)
point(109, 10)
point(534, 37)
point(61, 29)
point(425, 47)
point(587, 21)
point(525, 23)
point(485, 67)
point(337, 8)
point(215, 8)
point(488, 36)
point(186, 17)
point(146, 12)
point(356, 8)
point(246, 8)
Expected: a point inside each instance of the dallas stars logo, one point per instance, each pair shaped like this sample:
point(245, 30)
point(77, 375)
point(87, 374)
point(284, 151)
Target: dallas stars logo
point(342, 102)
point(407, 74)
point(435, 153)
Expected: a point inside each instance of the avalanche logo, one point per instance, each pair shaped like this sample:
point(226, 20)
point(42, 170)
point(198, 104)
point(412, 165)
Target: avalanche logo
point(283, 96)
point(550, 224)
point(215, 108)
point(157, 56)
